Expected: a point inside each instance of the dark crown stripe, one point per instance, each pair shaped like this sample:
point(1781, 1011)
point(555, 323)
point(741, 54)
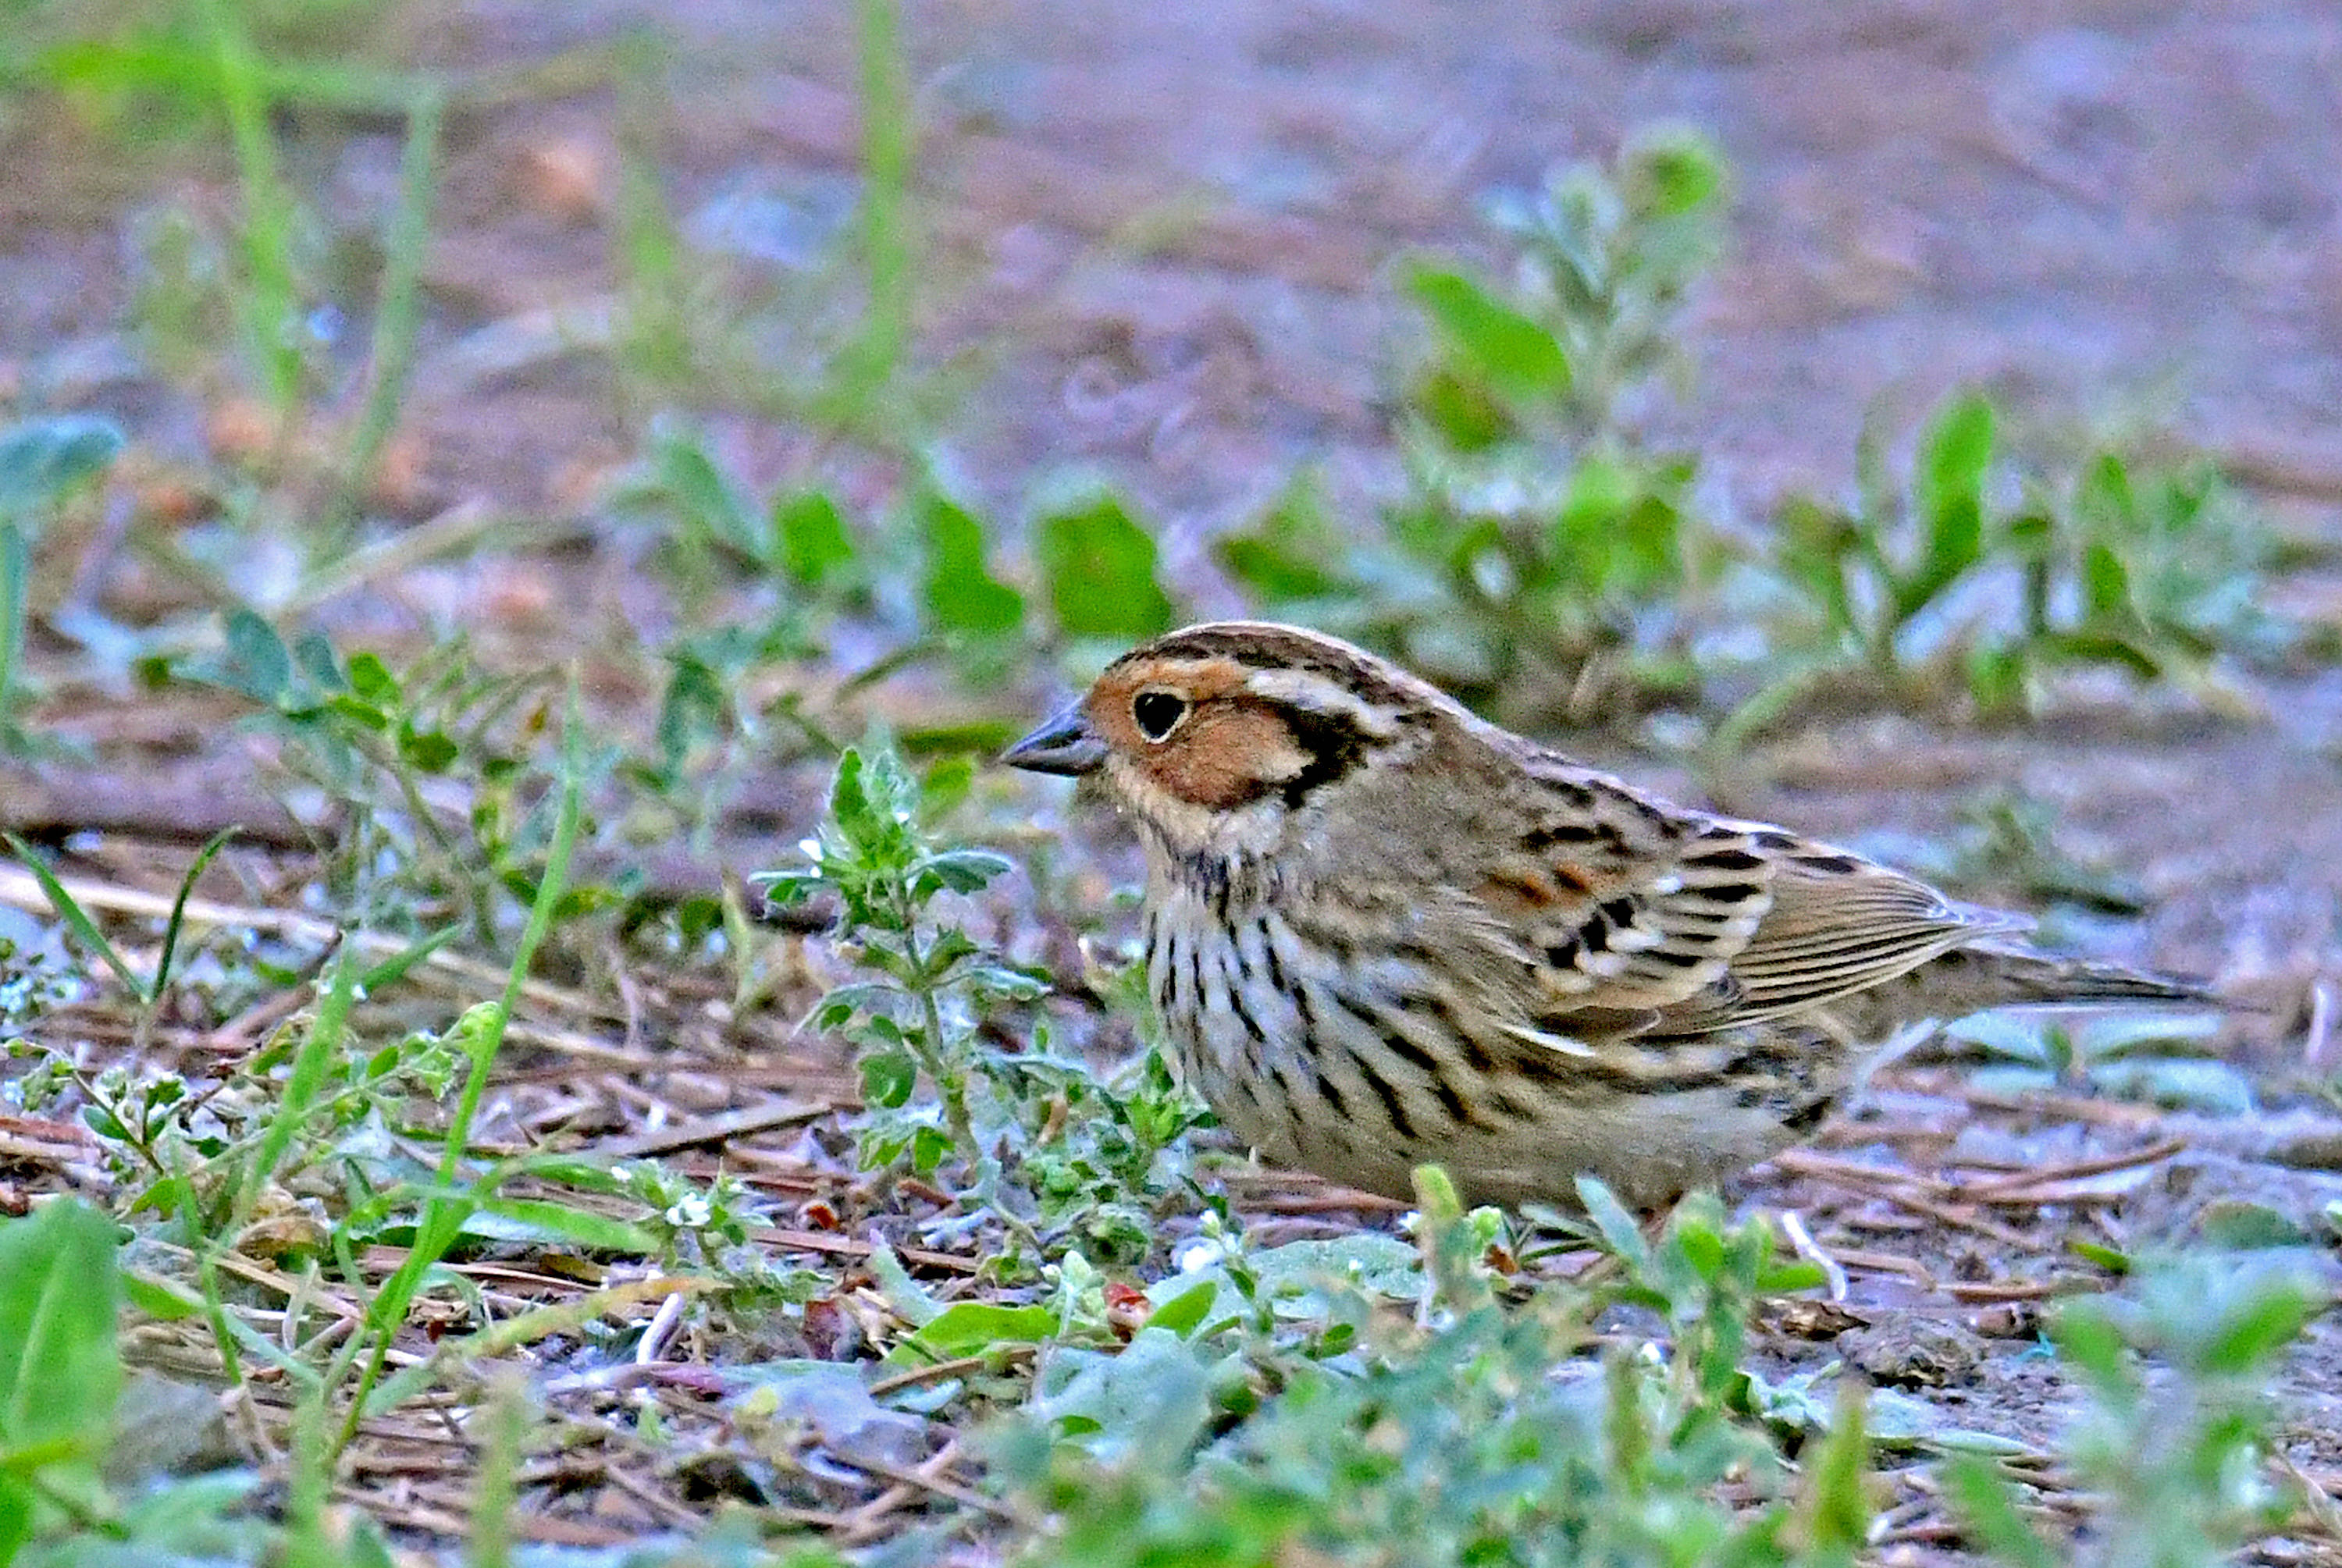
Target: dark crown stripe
point(1266, 647)
point(1334, 745)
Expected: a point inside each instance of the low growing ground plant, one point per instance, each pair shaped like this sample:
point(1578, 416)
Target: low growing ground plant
point(1540, 545)
point(2175, 1443)
point(1315, 1420)
point(1045, 1146)
point(1945, 590)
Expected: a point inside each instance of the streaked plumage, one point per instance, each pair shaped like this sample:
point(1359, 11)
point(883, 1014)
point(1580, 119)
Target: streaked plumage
point(1382, 930)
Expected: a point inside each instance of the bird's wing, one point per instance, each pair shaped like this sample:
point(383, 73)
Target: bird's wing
point(1639, 918)
point(1620, 905)
point(1840, 924)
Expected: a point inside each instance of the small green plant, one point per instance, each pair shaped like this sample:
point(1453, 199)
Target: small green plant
point(1869, 586)
point(59, 1370)
point(168, 1140)
point(2177, 1461)
point(923, 570)
point(1607, 258)
point(2152, 568)
point(1316, 1424)
point(2161, 1060)
point(799, 540)
point(382, 743)
point(1936, 589)
point(1043, 1139)
point(1539, 552)
point(1098, 567)
point(1704, 1276)
point(875, 855)
point(43, 463)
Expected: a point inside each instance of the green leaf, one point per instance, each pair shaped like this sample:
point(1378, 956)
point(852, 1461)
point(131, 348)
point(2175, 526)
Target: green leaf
point(704, 497)
point(1958, 452)
point(1949, 493)
point(965, 1328)
point(541, 1219)
point(1902, 1421)
point(1150, 1402)
point(1461, 410)
point(909, 1299)
point(947, 782)
point(888, 1078)
point(929, 1146)
point(160, 1298)
point(1367, 1259)
point(313, 658)
point(1792, 1275)
point(255, 661)
point(966, 870)
point(1620, 1232)
point(425, 751)
point(1998, 678)
point(2088, 1338)
point(1099, 565)
point(393, 968)
point(42, 459)
point(201, 864)
point(371, 680)
point(2255, 1329)
point(2237, 1223)
point(1184, 1311)
point(1701, 1247)
point(2104, 503)
point(809, 537)
point(1517, 356)
point(1282, 555)
point(2085, 648)
point(962, 596)
point(358, 713)
point(1615, 534)
point(849, 805)
point(59, 1368)
point(2105, 584)
point(2185, 1083)
point(1982, 1502)
point(1836, 1510)
point(77, 918)
point(1672, 170)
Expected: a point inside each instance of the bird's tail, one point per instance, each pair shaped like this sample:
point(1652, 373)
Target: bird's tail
point(2002, 972)
point(1997, 975)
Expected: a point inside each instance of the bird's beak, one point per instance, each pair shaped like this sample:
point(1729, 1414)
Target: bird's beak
point(1064, 745)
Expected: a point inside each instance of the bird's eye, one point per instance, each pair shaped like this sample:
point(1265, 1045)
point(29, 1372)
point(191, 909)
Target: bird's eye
point(1159, 714)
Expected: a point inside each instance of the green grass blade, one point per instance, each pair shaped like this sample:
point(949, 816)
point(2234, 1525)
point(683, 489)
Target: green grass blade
point(398, 309)
point(59, 1368)
point(867, 372)
point(495, 1494)
point(269, 303)
point(397, 967)
point(203, 858)
point(444, 1215)
point(318, 1050)
point(16, 568)
point(78, 919)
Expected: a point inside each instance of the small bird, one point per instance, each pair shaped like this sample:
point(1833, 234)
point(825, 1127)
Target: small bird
point(1383, 931)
